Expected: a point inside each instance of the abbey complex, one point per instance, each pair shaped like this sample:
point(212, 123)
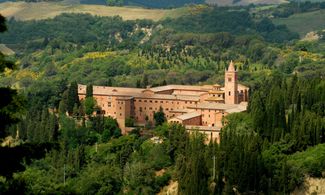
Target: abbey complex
point(196, 107)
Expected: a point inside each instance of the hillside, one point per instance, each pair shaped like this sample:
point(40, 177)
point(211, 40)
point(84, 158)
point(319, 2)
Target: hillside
point(59, 146)
point(304, 22)
point(43, 10)
point(243, 2)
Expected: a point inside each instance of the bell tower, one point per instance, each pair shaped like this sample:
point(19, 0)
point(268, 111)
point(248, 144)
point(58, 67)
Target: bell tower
point(231, 85)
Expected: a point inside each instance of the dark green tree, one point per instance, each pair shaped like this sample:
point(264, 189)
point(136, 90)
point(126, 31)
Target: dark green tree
point(89, 91)
point(11, 104)
point(159, 117)
point(73, 98)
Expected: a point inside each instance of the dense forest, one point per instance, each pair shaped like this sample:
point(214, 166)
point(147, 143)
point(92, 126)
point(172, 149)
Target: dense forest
point(58, 147)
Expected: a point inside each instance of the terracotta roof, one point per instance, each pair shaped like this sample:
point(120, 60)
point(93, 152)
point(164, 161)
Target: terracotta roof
point(242, 86)
point(230, 108)
point(150, 93)
point(188, 116)
point(103, 90)
point(179, 111)
point(215, 99)
point(202, 128)
point(216, 92)
point(124, 98)
point(182, 87)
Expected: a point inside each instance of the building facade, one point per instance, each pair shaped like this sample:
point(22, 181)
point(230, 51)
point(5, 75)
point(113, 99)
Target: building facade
point(196, 107)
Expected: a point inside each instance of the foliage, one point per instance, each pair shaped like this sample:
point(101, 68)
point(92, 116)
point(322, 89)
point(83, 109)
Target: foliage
point(90, 105)
point(269, 149)
point(159, 117)
point(11, 104)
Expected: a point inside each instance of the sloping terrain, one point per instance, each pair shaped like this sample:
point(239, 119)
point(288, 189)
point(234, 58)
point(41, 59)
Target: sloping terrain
point(43, 10)
point(243, 2)
point(304, 22)
point(6, 50)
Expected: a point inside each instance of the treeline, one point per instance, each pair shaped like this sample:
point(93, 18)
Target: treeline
point(237, 21)
point(163, 3)
point(294, 108)
point(145, 3)
point(128, 52)
point(100, 33)
point(284, 11)
point(262, 157)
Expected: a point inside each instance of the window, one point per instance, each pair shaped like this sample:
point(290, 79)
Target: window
point(150, 101)
point(109, 104)
point(140, 109)
point(156, 101)
point(229, 93)
point(120, 114)
point(120, 108)
point(161, 101)
point(150, 108)
point(145, 100)
point(140, 100)
point(229, 79)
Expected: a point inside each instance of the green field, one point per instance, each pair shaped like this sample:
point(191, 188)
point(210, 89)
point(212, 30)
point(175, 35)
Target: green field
point(304, 22)
point(37, 11)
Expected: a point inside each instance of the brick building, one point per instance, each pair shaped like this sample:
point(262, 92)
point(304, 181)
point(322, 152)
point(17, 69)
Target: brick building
point(196, 107)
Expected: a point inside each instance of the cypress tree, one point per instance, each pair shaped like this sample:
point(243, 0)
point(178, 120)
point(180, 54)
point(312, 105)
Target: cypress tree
point(89, 91)
point(73, 98)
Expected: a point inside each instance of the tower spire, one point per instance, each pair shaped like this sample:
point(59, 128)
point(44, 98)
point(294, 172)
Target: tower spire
point(231, 66)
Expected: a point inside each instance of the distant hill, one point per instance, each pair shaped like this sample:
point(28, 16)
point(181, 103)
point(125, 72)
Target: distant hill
point(243, 2)
point(161, 3)
point(43, 10)
point(303, 23)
